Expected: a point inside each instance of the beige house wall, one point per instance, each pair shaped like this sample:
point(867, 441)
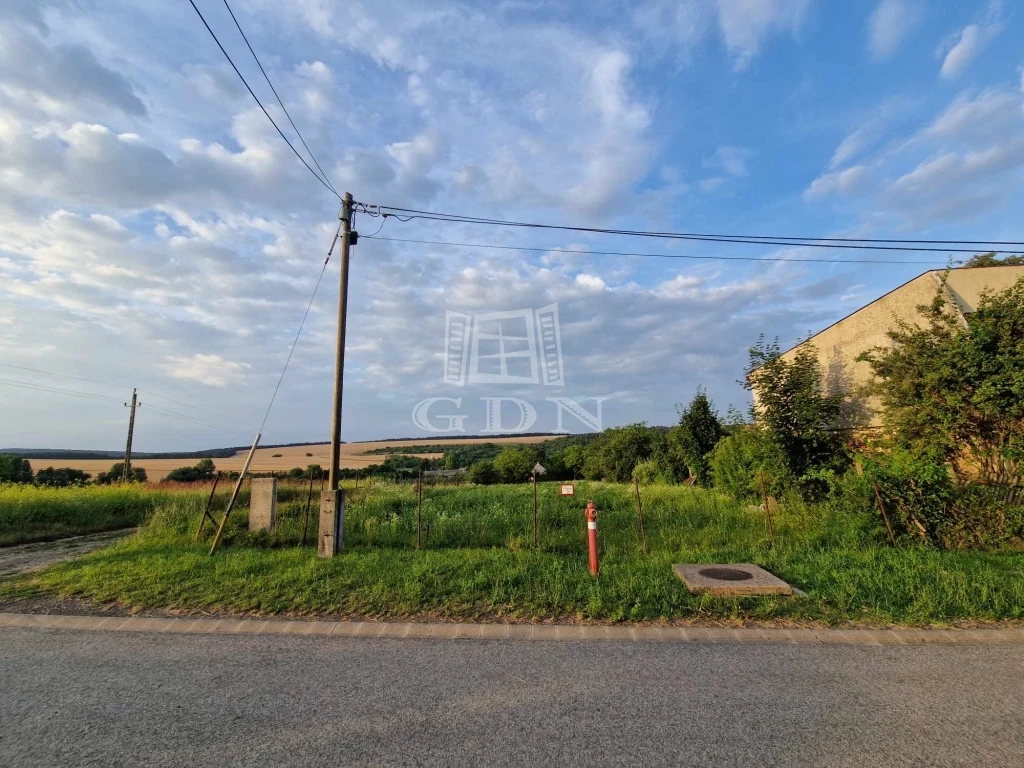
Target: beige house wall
point(839, 344)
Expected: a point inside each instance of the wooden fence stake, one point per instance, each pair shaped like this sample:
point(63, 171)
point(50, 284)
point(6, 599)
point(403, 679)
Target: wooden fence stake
point(767, 511)
point(885, 517)
point(419, 509)
point(209, 503)
point(305, 518)
point(640, 513)
point(534, 510)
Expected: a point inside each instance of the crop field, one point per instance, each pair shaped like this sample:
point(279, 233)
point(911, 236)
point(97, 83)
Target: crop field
point(282, 459)
point(478, 560)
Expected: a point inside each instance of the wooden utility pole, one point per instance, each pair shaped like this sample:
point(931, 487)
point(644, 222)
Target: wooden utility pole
point(126, 469)
point(339, 355)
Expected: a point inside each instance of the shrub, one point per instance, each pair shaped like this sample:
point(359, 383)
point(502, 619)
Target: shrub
point(794, 408)
point(739, 461)
point(137, 474)
point(483, 473)
point(515, 465)
point(200, 473)
point(650, 473)
point(61, 478)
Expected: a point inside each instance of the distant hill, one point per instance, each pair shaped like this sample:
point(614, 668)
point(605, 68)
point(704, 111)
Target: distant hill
point(223, 453)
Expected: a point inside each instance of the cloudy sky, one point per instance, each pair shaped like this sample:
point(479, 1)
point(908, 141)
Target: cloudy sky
point(156, 232)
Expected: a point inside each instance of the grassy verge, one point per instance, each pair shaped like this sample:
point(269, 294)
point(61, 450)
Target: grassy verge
point(29, 513)
point(478, 561)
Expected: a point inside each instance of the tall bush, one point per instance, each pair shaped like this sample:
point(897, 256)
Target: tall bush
point(952, 390)
point(696, 435)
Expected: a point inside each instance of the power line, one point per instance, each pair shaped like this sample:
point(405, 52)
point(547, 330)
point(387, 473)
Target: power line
point(56, 390)
point(806, 242)
point(260, 103)
point(149, 392)
point(645, 255)
point(184, 417)
point(283, 107)
point(65, 376)
point(298, 333)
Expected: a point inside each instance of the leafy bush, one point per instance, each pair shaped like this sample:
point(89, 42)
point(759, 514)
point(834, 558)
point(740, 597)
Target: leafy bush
point(61, 478)
point(483, 473)
point(137, 474)
point(200, 473)
point(650, 473)
point(953, 389)
point(739, 462)
point(792, 406)
point(515, 465)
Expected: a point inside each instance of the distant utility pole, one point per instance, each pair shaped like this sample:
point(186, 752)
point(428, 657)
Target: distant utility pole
point(339, 356)
point(126, 471)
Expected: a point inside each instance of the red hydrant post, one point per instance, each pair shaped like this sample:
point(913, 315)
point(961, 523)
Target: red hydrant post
point(591, 512)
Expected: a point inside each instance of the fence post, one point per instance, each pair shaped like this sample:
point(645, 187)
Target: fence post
point(767, 511)
point(640, 512)
point(534, 510)
point(885, 517)
point(419, 508)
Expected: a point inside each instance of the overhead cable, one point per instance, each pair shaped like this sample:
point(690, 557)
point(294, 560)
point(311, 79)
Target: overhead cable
point(804, 242)
point(260, 103)
point(279, 101)
point(643, 255)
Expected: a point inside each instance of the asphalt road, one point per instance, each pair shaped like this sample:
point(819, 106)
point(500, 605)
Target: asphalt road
point(72, 698)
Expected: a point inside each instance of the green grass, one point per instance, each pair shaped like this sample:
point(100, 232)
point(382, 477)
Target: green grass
point(478, 561)
point(29, 513)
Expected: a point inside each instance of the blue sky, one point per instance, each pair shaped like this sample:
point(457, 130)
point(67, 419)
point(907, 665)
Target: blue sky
point(156, 232)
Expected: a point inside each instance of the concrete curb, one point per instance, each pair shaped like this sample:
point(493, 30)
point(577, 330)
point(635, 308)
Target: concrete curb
point(556, 632)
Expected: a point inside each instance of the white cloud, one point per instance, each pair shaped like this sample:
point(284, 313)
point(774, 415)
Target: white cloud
point(211, 370)
point(960, 50)
point(730, 160)
point(843, 182)
point(746, 23)
point(889, 24)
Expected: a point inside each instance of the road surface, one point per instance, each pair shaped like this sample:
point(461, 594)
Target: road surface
point(102, 698)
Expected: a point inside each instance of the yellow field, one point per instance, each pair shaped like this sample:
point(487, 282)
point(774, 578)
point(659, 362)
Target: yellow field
point(267, 460)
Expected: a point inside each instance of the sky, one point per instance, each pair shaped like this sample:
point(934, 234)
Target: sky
point(156, 232)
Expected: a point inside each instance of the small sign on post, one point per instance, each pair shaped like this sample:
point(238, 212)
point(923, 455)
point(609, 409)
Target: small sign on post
point(538, 469)
point(568, 490)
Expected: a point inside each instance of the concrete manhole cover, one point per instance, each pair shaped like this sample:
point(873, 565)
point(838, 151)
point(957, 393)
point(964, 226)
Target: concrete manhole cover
point(730, 580)
point(726, 574)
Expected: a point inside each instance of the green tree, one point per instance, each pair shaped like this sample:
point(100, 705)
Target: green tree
point(991, 260)
point(483, 473)
point(952, 390)
point(515, 465)
point(573, 458)
point(614, 454)
point(61, 478)
point(137, 475)
point(14, 469)
point(314, 471)
point(791, 404)
point(696, 435)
